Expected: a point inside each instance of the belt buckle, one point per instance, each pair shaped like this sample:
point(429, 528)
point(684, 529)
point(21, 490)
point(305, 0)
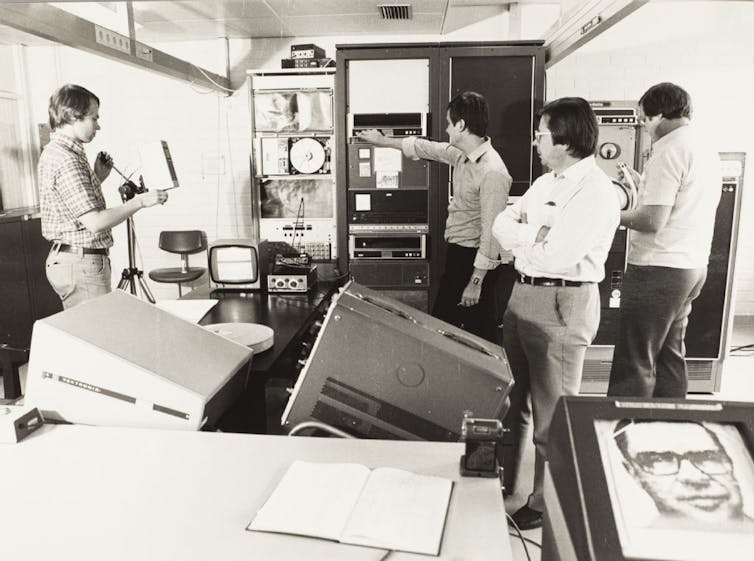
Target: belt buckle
point(522, 278)
point(550, 283)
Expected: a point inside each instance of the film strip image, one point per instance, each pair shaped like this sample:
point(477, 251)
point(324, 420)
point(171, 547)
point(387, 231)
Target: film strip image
point(281, 198)
point(293, 111)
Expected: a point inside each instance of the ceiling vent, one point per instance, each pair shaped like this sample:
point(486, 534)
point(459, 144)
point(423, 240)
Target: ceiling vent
point(395, 11)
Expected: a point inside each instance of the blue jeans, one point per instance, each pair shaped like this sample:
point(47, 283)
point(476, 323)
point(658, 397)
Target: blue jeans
point(649, 357)
point(77, 278)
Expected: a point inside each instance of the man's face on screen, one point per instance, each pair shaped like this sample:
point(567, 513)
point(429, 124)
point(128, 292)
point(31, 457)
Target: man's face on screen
point(685, 469)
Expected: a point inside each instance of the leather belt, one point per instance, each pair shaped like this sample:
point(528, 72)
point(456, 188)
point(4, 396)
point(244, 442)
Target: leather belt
point(546, 281)
point(84, 250)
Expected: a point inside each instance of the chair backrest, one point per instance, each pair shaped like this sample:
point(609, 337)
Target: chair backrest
point(183, 241)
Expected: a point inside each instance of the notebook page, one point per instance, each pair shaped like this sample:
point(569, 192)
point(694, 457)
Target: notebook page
point(312, 499)
point(400, 510)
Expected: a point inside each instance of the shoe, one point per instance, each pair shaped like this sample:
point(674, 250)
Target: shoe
point(527, 518)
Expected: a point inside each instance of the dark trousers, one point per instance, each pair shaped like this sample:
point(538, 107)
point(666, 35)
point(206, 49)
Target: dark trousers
point(649, 357)
point(482, 319)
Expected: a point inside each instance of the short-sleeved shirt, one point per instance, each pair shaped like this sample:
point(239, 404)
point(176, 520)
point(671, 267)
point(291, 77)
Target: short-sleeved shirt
point(68, 189)
point(481, 184)
point(684, 173)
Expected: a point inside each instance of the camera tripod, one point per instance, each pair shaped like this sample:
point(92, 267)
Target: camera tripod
point(132, 277)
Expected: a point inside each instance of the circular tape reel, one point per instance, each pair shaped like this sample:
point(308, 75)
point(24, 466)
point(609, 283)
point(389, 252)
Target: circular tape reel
point(307, 155)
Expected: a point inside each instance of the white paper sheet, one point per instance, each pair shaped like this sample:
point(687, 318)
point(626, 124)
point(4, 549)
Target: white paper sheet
point(190, 310)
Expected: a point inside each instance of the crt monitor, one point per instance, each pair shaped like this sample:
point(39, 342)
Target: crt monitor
point(238, 263)
point(660, 479)
point(382, 369)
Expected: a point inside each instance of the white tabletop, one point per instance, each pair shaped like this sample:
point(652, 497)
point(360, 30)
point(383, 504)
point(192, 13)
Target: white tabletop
point(95, 493)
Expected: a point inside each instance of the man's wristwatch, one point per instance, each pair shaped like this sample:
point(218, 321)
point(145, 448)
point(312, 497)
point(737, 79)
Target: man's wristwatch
point(476, 280)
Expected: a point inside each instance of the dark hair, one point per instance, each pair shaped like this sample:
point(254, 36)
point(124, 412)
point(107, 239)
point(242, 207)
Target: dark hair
point(572, 121)
point(622, 441)
point(668, 100)
point(69, 103)
point(473, 109)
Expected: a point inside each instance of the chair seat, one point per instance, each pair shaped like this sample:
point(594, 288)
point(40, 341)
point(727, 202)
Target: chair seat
point(175, 274)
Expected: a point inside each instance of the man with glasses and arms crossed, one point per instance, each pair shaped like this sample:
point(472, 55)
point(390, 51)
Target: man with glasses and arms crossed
point(669, 246)
point(560, 232)
point(683, 467)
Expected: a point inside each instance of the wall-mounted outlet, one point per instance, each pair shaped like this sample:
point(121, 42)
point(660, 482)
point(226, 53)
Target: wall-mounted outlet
point(112, 39)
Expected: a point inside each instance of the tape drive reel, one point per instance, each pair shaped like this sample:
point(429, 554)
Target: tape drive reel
point(295, 155)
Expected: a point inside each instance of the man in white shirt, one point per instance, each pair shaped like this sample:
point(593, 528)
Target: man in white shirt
point(670, 240)
point(560, 232)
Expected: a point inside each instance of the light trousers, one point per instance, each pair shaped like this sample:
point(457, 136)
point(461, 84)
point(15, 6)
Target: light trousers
point(546, 331)
point(77, 278)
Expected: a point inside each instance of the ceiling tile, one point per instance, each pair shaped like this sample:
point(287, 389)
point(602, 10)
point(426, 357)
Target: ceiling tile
point(359, 25)
point(294, 8)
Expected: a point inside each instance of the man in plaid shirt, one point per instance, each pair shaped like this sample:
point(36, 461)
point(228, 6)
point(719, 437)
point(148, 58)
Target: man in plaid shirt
point(74, 215)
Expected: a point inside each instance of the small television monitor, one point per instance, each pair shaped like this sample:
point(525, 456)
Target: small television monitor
point(382, 369)
point(661, 479)
point(238, 264)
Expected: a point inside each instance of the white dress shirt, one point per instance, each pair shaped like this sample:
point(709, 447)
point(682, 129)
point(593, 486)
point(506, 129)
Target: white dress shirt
point(580, 208)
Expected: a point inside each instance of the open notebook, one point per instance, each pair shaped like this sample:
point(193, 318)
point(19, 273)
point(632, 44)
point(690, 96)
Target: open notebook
point(385, 508)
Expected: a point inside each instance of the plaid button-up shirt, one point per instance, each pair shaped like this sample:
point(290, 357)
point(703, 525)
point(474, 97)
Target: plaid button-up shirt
point(68, 188)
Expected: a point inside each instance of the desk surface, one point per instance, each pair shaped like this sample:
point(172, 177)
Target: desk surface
point(90, 493)
point(287, 315)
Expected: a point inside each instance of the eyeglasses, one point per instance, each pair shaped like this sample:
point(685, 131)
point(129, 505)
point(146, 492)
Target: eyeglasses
point(710, 462)
point(540, 134)
point(644, 119)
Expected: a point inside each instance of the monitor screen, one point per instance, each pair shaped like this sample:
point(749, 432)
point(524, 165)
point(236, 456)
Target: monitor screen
point(234, 264)
point(679, 489)
point(289, 198)
point(293, 111)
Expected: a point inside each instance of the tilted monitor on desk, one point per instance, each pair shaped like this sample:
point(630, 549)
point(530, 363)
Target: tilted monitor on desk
point(382, 369)
point(119, 361)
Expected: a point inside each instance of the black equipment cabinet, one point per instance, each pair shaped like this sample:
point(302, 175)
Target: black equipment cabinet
point(509, 74)
point(26, 294)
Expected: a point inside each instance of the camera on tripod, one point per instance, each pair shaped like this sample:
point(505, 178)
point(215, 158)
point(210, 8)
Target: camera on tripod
point(130, 189)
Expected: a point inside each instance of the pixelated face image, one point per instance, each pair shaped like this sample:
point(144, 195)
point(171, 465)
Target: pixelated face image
point(684, 468)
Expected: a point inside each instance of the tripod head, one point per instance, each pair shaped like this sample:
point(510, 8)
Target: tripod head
point(130, 189)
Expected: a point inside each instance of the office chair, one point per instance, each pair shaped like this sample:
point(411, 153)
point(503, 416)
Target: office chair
point(185, 243)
